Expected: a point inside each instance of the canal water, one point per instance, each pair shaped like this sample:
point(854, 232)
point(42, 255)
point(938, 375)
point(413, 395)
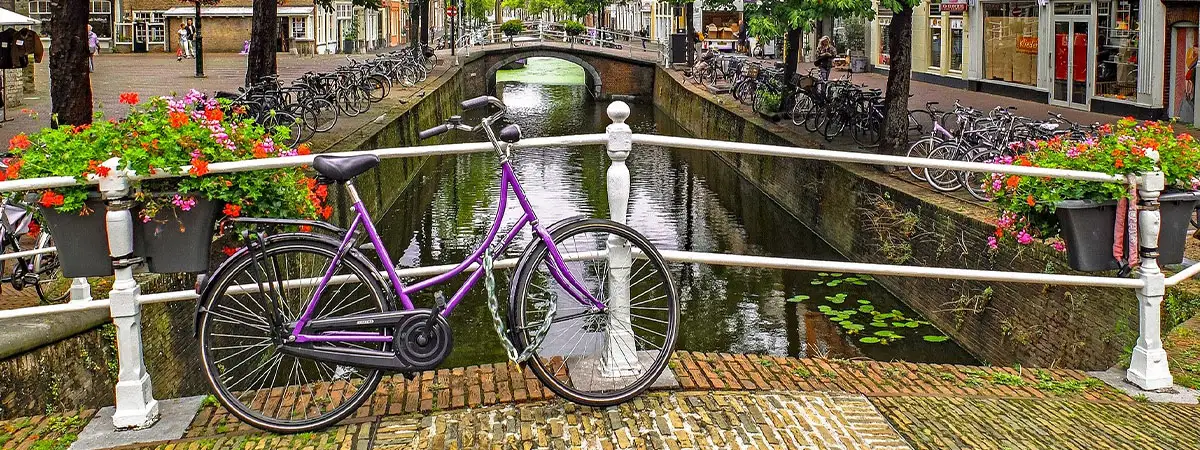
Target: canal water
point(681, 200)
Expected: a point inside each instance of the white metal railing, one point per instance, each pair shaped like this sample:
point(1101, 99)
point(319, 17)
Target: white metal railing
point(137, 408)
point(544, 31)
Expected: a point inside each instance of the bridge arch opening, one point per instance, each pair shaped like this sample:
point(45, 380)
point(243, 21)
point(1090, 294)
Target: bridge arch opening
point(591, 75)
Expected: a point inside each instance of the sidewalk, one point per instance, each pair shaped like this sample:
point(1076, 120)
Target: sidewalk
point(726, 401)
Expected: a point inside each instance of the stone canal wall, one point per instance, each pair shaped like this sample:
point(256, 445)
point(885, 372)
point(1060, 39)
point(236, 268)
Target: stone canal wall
point(80, 371)
point(872, 217)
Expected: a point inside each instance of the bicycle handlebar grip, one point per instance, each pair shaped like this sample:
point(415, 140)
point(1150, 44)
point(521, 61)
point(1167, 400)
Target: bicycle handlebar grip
point(434, 131)
point(476, 102)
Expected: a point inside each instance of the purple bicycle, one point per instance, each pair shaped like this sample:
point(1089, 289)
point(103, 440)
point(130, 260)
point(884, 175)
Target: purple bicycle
point(296, 328)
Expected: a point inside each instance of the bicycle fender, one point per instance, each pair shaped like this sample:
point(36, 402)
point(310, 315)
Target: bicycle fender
point(205, 287)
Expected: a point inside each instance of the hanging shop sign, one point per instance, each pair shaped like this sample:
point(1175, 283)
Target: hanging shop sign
point(954, 6)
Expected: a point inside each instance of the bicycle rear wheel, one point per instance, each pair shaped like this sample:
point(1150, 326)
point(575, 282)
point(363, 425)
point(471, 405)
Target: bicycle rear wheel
point(50, 287)
point(801, 109)
point(920, 124)
point(943, 180)
point(238, 340)
point(597, 357)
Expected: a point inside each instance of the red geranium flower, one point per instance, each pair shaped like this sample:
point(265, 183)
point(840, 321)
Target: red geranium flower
point(229, 251)
point(303, 149)
point(233, 210)
point(14, 169)
point(305, 228)
point(130, 98)
point(19, 141)
point(214, 114)
point(178, 119)
point(34, 229)
point(199, 167)
point(50, 199)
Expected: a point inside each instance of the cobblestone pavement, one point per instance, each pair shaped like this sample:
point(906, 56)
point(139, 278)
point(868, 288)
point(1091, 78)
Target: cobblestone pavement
point(978, 423)
point(702, 420)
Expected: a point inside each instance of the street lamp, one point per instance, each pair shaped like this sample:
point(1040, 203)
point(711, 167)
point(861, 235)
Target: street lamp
point(198, 39)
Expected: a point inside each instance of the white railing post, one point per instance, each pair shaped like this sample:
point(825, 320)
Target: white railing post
point(1148, 365)
point(617, 361)
point(135, 404)
point(81, 291)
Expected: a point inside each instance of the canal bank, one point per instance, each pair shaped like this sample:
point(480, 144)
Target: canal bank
point(869, 216)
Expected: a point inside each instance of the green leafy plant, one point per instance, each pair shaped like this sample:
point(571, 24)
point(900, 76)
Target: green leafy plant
point(855, 32)
point(1027, 204)
point(512, 27)
point(573, 28)
point(171, 135)
point(768, 101)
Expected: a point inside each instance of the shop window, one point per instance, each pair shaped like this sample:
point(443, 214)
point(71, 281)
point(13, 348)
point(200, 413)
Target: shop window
point(1010, 46)
point(935, 43)
point(1117, 49)
point(956, 44)
point(884, 47)
point(299, 27)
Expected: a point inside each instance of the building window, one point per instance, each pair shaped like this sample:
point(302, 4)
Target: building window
point(1117, 49)
point(884, 47)
point(299, 27)
point(956, 44)
point(935, 43)
point(344, 10)
point(157, 27)
point(1010, 46)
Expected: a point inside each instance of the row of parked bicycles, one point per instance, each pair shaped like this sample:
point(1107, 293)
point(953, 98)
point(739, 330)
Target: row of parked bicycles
point(838, 107)
point(313, 103)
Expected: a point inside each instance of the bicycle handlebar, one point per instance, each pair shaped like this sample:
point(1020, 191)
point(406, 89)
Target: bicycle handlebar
point(474, 103)
point(434, 131)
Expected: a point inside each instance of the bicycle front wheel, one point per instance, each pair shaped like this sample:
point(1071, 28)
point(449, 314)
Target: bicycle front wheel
point(270, 390)
point(50, 287)
point(591, 356)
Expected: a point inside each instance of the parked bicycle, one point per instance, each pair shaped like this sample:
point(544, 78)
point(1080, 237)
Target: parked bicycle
point(40, 271)
point(296, 329)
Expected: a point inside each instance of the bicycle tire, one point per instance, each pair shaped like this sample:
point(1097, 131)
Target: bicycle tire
point(921, 149)
point(327, 114)
point(920, 124)
point(375, 89)
point(802, 106)
point(942, 180)
point(973, 181)
point(543, 365)
point(236, 271)
point(866, 131)
point(48, 272)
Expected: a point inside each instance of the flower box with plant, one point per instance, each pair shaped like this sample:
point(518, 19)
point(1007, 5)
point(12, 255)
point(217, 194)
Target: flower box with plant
point(173, 215)
point(573, 30)
point(1079, 217)
point(512, 28)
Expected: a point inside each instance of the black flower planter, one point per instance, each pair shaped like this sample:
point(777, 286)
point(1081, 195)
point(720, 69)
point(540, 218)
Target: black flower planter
point(1087, 228)
point(81, 240)
point(176, 241)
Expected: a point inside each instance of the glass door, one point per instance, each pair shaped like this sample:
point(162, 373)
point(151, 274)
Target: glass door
point(1071, 63)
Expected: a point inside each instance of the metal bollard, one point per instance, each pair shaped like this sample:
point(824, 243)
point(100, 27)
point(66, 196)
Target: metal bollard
point(135, 404)
point(615, 363)
point(1148, 367)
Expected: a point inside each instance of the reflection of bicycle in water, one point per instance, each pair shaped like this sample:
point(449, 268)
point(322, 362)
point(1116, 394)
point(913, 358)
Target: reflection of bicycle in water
point(296, 328)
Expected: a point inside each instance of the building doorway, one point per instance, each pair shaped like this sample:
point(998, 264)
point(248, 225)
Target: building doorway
point(1185, 50)
point(1071, 43)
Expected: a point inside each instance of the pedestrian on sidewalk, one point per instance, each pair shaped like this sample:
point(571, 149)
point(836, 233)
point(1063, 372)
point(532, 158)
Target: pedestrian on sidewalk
point(93, 49)
point(185, 43)
point(826, 52)
point(191, 37)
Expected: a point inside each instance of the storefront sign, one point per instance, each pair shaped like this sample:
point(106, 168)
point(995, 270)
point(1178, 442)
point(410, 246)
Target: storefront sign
point(1027, 44)
point(953, 6)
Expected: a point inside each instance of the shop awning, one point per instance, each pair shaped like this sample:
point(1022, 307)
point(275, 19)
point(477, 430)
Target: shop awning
point(234, 11)
point(8, 18)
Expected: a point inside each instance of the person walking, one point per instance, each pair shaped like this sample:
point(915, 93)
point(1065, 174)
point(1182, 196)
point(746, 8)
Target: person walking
point(743, 37)
point(826, 52)
point(185, 43)
point(191, 37)
point(93, 49)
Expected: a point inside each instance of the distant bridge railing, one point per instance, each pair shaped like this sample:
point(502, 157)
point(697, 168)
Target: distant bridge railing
point(137, 408)
point(544, 31)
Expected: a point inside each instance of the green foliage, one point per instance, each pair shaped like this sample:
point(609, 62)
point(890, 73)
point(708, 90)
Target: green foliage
point(1179, 307)
point(164, 135)
point(209, 401)
point(855, 35)
point(512, 27)
point(573, 28)
point(764, 28)
point(770, 101)
point(477, 10)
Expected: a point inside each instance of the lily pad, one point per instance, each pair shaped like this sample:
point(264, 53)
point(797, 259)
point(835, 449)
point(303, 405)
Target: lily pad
point(858, 283)
point(866, 277)
point(798, 298)
point(824, 308)
point(816, 282)
point(833, 283)
point(835, 274)
point(864, 302)
point(822, 274)
point(936, 338)
point(869, 340)
point(866, 308)
point(879, 324)
point(887, 334)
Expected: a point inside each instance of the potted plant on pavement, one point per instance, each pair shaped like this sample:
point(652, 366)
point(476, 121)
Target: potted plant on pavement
point(573, 30)
point(511, 29)
point(1080, 217)
point(173, 216)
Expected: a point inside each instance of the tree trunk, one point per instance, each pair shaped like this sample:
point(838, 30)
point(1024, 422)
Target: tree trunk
point(791, 59)
point(895, 135)
point(263, 32)
point(70, 80)
point(425, 21)
point(690, 29)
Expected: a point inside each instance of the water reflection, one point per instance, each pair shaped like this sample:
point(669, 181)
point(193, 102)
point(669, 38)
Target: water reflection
point(682, 200)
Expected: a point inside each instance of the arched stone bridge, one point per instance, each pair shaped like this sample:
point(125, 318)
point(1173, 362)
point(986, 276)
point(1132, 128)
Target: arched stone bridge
point(609, 72)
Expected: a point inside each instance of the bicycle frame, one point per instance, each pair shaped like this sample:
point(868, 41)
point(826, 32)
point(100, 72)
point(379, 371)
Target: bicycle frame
point(508, 180)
